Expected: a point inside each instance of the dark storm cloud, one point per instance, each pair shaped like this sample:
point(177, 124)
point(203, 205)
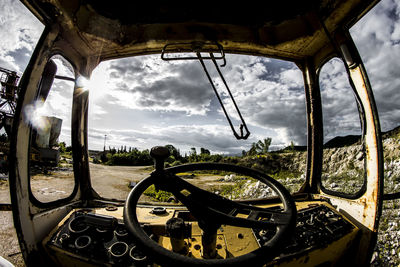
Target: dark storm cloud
point(378, 39)
point(339, 108)
point(163, 86)
point(274, 69)
point(21, 56)
point(286, 117)
point(279, 103)
point(128, 68)
point(270, 94)
point(172, 91)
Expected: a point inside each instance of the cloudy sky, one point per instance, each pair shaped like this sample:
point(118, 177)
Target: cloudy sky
point(144, 101)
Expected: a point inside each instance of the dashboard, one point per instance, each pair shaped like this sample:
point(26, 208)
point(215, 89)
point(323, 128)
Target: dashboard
point(98, 236)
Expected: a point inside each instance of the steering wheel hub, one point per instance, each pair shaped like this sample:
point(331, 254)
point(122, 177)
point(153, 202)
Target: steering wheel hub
point(211, 211)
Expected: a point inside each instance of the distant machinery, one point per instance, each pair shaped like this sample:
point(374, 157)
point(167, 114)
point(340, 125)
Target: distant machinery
point(44, 150)
point(8, 97)
point(8, 102)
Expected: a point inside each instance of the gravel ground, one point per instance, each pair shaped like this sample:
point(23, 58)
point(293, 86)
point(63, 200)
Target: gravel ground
point(9, 247)
point(387, 252)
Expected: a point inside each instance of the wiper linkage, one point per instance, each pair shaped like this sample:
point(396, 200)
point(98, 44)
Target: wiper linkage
point(196, 47)
point(243, 123)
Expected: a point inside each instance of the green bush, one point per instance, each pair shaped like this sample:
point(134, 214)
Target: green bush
point(233, 191)
point(133, 158)
point(159, 195)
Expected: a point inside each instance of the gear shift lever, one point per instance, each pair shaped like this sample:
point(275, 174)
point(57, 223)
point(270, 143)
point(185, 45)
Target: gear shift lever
point(159, 154)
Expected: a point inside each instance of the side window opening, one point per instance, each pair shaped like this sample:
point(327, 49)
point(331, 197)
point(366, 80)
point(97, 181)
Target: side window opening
point(379, 49)
point(50, 147)
point(343, 168)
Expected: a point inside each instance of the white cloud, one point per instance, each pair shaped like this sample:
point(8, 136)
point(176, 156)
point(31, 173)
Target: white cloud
point(292, 77)
point(149, 83)
point(377, 36)
point(129, 97)
point(215, 137)
point(270, 95)
point(340, 113)
point(20, 31)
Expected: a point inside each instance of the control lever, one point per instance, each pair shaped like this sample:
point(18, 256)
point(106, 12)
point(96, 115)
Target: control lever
point(176, 227)
point(178, 230)
point(159, 154)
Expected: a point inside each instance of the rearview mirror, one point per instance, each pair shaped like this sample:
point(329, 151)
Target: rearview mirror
point(48, 76)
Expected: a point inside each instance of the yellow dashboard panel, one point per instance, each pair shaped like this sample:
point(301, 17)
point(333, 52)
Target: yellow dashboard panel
point(98, 237)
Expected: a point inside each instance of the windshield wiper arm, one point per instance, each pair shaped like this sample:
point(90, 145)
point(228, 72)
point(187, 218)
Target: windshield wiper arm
point(243, 135)
point(198, 47)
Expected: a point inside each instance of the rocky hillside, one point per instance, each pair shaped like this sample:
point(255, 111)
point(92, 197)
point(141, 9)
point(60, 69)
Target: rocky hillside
point(343, 168)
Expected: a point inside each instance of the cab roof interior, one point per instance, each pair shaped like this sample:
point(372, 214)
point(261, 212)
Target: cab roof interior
point(284, 29)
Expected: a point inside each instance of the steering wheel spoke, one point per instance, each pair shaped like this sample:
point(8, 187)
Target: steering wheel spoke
point(212, 211)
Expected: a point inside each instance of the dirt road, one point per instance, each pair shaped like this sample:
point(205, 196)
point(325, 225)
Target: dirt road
point(108, 181)
point(113, 181)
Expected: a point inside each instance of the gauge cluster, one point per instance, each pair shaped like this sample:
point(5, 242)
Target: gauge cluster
point(316, 227)
point(99, 239)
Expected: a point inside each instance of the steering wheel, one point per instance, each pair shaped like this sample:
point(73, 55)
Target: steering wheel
point(212, 211)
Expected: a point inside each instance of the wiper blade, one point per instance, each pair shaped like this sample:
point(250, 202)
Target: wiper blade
point(243, 135)
point(196, 47)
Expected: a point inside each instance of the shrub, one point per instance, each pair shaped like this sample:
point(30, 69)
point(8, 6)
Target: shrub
point(159, 195)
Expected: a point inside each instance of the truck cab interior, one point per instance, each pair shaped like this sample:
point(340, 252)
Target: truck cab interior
point(315, 226)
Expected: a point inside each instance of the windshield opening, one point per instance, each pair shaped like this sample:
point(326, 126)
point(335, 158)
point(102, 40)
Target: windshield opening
point(140, 102)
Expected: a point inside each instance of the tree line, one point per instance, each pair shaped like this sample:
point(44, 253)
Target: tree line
point(135, 157)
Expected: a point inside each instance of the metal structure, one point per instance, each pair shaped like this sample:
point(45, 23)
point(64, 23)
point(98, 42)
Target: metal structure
point(8, 97)
point(325, 228)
